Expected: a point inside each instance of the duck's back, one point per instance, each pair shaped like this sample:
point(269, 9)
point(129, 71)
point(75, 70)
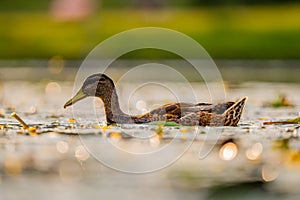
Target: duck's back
point(175, 111)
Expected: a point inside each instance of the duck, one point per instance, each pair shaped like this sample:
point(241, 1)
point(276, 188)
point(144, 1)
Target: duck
point(185, 114)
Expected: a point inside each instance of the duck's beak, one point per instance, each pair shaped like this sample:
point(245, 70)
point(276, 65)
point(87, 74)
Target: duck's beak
point(80, 95)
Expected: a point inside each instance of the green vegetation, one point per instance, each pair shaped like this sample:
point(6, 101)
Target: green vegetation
point(225, 32)
point(281, 101)
point(163, 123)
point(295, 120)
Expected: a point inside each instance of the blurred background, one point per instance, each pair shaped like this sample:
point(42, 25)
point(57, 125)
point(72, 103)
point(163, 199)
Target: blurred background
point(228, 29)
point(238, 34)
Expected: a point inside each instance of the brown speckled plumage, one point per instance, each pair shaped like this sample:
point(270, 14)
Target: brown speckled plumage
point(202, 114)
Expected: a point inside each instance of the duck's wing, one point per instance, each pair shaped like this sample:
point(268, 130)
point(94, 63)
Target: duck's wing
point(219, 108)
point(168, 112)
point(174, 111)
point(229, 117)
point(178, 108)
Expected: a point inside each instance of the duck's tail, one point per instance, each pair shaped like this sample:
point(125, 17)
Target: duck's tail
point(233, 114)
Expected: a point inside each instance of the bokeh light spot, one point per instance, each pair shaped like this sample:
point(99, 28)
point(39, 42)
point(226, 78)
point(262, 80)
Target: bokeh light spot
point(269, 173)
point(228, 151)
point(62, 147)
point(81, 153)
point(52, 89)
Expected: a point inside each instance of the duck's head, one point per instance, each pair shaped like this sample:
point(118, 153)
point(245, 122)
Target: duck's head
point(96, 85)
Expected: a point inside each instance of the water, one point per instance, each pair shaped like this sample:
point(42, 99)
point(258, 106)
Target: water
point(249, 161)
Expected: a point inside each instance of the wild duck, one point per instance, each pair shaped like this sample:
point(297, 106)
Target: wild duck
point(187, 114)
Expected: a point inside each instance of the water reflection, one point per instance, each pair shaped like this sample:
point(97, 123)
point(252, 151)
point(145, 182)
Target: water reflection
point(155, 140)
point(70, 171)
point(56, 152)
point(115, 136)
point(13, 164)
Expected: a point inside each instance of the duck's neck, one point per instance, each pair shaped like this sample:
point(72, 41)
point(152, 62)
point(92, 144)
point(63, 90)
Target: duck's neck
point(113, 112)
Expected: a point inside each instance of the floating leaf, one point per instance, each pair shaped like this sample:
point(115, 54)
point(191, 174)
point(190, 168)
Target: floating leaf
point(295, 120)
point(106, 127)
point(164, 123)
point(72, 120)
point(54, 116)
point(159, 130)
point(281, 101)
point(289, 121)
